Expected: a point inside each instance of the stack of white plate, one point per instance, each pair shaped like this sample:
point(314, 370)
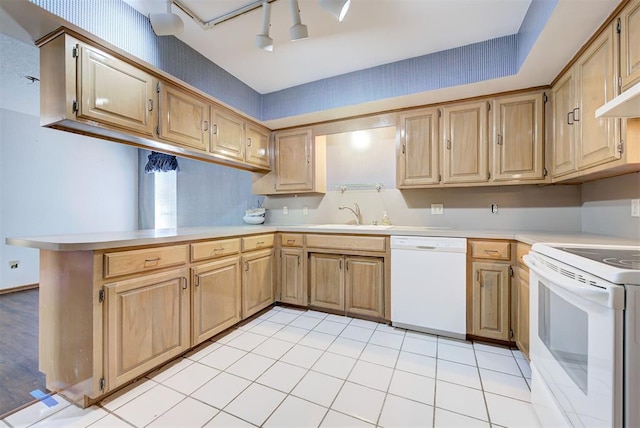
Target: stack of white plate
point(254, 216)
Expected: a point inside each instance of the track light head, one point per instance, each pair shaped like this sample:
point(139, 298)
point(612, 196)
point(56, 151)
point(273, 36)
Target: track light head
point(298, 31)
point(263, 41)
point(337, 8)
point(166, 24)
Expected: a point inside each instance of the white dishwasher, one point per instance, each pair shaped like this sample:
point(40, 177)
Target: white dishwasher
point(428, 284)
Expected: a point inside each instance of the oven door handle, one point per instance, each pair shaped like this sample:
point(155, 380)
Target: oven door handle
point(588, 292)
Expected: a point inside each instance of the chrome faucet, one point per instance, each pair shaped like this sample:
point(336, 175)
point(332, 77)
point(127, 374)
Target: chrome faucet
point(356, 212)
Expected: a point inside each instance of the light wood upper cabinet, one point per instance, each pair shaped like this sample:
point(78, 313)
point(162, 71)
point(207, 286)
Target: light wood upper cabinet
point(490, 300)
point(629, 22)
point(596, 77)
point(564, 129)
point(326, 281)
point(518, 138)
point(228, 135)
point(113, 92)
point(148, 323)
point(364, 286)
point(257, 150)
point(294, 163)
point(465, 143)
point(292, 288)
point(216, 298)
point(257, 281)
point(184, 118)
point(418, 158)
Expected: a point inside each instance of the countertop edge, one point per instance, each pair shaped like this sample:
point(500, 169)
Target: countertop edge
point(109, 240)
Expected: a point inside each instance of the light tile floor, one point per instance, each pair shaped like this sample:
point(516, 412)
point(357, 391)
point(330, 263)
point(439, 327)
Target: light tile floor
point(295, 368)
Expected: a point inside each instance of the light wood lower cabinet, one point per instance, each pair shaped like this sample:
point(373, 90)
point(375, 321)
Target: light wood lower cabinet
point(490, 300)
point(522, 333)
point(347, 283)
point(148, 323)
point(257, 281)
point(326, 281)
point(291, 276)
point(216, 298)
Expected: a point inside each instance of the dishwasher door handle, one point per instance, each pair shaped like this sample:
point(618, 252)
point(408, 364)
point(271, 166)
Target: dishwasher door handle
point(425, 247)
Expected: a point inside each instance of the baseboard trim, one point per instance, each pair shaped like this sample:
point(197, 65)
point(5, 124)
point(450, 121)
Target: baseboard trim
point(19, 288)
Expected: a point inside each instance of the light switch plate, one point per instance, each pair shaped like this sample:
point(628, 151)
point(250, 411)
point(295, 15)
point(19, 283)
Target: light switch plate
point(437, 209)
point(305, 210)
point(635, 207)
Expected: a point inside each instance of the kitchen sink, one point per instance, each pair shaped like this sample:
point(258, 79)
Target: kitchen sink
point(350, 226)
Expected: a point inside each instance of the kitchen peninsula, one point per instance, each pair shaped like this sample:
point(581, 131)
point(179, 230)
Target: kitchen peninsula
point(114, 306)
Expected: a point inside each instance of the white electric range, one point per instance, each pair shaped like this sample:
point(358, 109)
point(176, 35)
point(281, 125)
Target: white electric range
point(585, 334)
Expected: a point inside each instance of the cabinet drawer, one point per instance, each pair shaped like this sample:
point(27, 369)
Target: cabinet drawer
point(345, 242)
point(126, 262)
point(214, 249)
point(522, 250)
point(494, 250)
point(256, 242)
point(291, 240)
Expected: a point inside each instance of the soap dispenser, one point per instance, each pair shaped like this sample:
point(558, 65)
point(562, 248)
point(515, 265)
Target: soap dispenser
point(386, 221)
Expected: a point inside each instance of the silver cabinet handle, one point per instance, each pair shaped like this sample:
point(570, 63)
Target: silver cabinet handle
point(246, 266)
point(448, 144)
point(150, 104)
point(157, 259)
point(570, 114)
point(215, 129)
point(249, 142)
point(184, 283)
point(206, 125)
point(499, 140)
point(576, 117)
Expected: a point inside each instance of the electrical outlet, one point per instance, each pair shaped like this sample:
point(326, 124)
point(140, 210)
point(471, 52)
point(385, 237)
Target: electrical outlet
point(635, 207)
point(13, 264)
point(437, 209)
point(285, 210)
point(494, 208)
point(305, 210)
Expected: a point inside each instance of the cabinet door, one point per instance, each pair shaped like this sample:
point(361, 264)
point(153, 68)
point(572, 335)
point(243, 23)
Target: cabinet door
point(228, 137)
point(518, 136)
point(629, 46)
point(216, 298)
point(257, 149)
point(293, 151)
point(418, 148)
point(522, 335)
point(148, 323)
point(364, 286)
point(596, 76)
point(465, 140)
point(564, 127)
point(114, 92)
point(257, 282)
point(326, 281)
point(291, 278)
point(184, 119)
point(491, 300)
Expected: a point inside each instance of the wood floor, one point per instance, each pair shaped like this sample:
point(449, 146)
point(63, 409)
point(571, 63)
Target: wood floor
point(19, 373)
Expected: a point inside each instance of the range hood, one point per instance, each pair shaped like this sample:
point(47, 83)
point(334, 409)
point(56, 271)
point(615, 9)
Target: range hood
point(627, 104)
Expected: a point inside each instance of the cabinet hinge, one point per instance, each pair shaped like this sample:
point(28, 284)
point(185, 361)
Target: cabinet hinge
point(439, 113)
point(489, 175)
point(101, 296)
point(510, 334)
point(158, 130)
point(75, 52)
point(544, 172)
point(510, 271)
point(74, 106)
point(439, 178)
point(488, 106)
point(545, 98)
point(620, 81)
point(619, 26)
point(158, 87)
point(101, 384)
point(621, 147)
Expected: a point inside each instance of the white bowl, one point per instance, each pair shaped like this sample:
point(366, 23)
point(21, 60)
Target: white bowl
point(253, 219)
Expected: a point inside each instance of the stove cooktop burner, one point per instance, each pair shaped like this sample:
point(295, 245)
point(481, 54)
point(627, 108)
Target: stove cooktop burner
point(624, 259)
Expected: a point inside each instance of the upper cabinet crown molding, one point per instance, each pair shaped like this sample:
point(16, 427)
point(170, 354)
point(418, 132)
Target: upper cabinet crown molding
point(86, 88)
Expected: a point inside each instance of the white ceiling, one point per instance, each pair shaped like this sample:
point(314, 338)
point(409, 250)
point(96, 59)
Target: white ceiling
point(374, 32)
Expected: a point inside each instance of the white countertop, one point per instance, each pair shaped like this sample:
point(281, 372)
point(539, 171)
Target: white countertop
point(106, 240)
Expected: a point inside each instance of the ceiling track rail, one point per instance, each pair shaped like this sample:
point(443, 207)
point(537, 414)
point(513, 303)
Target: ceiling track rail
point(207, 25)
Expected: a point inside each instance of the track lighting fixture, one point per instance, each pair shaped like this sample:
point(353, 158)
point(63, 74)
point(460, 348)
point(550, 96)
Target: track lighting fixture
point(337, 8)
point(298, 31)
point(166, 24)
point(263, 41)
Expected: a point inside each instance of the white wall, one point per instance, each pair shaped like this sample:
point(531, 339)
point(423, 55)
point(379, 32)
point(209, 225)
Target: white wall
point(606, 206)
point(52, 182)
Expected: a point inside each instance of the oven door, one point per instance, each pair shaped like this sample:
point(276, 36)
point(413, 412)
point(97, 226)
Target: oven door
point(576, 344)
